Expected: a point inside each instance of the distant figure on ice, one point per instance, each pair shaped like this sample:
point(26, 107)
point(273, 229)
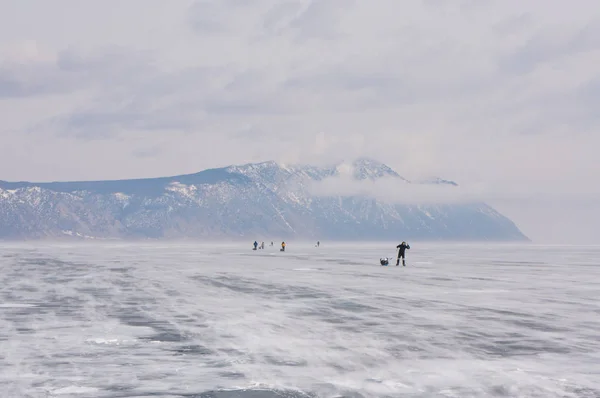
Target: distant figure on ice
point(262, 245)
point(318, 243)
point(282, 246)
point(255, 245)
point(401, 249)
point(271, 243)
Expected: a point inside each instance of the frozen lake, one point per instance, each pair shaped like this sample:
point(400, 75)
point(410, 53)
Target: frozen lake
point(186, 320)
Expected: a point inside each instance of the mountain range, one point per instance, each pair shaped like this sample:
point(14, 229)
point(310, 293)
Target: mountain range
point(263, 201)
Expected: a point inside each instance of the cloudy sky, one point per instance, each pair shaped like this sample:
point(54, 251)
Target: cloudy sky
point(502, 95)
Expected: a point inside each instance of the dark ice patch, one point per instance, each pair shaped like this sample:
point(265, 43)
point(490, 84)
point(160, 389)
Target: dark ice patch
point(166, 337)
point(222, 282)
point(121, 388)
point(65, 306)
point(371, 323)
point(121, 270)
point(132, 317)
point(232, 375)
point(543, 327)
point(302, 292)
point(192, 349)
point(401, 350)
point(439, 278)
point(242, 393)
point(231, 351)
point(507, 349)
point(353, 306)
point(272, 360)
point(350, 328)
point(97, 292)
point(583, 392)
point(333, 320)
point(28, 288)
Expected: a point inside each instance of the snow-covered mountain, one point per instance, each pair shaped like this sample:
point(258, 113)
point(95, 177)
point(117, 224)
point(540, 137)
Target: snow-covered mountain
point(265, 201)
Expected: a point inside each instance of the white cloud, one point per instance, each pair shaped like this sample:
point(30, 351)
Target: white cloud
point(495, 94)
point(396, 190)
point(391, 190)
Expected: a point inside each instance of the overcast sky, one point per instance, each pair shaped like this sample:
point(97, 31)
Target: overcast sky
point(502, 95)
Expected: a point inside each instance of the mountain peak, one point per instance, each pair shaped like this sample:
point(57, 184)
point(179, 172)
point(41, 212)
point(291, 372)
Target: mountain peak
point(364, 168)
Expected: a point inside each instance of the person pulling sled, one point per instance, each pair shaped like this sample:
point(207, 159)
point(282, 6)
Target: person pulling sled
point(401, 253)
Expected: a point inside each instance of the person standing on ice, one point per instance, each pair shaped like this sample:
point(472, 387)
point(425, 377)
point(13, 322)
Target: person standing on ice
point(401, 249)
point(255, 245)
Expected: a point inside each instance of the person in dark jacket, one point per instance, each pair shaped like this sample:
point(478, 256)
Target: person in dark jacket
point(401, 249)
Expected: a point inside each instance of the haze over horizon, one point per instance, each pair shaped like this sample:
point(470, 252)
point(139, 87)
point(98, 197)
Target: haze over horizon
point(499, 96)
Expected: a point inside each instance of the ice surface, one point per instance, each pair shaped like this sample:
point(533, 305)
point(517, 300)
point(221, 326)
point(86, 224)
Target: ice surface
point(172, 320)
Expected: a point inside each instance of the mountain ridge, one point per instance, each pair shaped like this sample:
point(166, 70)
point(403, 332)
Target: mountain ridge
point(252, 199)
point(358, 162)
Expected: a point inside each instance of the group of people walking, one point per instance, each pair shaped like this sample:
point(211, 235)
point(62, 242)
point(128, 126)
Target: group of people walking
point(262, 246)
